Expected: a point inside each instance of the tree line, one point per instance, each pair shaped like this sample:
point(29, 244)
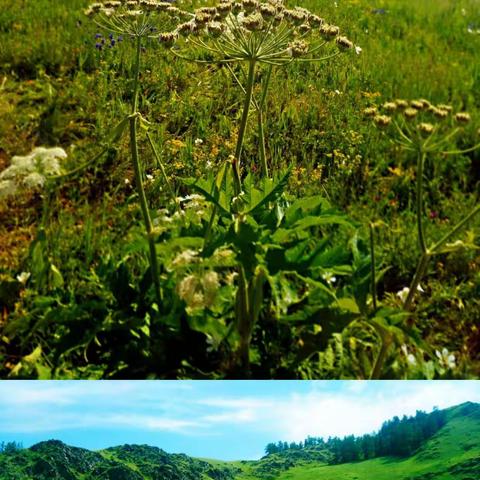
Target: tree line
point(10, 447)
point(396, 437)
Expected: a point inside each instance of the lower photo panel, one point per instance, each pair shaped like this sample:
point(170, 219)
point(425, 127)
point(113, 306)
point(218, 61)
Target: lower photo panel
point(240, 430)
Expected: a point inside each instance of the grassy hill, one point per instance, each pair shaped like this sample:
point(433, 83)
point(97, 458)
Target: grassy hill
point(451, 454)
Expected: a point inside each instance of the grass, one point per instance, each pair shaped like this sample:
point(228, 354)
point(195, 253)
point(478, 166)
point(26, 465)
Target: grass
point(58, 90)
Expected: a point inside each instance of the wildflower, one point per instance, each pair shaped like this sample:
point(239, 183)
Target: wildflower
point(329, 278)
point(462, 117)
point(7, 188)
point(198, 142)
point(31, 171)
point(403, 293)
point(210, 284)
point(185, 258)
point(358, 50)
point(23, 277)
point(34, 180)
point(446, 358)
point(189, 290)
point(382, 120)
point(409, 356)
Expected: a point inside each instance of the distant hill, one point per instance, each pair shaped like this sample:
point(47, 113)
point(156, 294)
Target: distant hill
point(453, 453)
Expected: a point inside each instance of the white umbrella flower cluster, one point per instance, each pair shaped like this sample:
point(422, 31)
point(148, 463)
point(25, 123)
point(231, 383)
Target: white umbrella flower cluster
point(30, 172)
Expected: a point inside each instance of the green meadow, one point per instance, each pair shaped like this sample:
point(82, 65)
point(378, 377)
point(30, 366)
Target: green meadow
point(279, 237)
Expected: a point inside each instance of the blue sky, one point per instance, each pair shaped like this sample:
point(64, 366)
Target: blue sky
point(221, 419)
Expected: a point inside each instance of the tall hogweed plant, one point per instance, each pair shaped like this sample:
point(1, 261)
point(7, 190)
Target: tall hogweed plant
point(425, 130)
point(139, 20)
point(249, 37)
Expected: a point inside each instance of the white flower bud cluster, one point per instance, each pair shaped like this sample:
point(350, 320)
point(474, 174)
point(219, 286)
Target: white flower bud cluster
point(30, 172)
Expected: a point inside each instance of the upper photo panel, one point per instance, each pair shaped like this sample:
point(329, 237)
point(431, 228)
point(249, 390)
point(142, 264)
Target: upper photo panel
point(239, 189)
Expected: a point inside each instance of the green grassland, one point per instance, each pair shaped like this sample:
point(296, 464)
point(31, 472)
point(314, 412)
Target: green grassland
point(57, 89)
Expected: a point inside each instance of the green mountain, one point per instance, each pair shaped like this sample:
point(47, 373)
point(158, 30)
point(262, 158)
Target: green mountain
point(453, 453)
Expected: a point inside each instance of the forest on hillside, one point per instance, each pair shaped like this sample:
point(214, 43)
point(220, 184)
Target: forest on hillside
point(397, 437)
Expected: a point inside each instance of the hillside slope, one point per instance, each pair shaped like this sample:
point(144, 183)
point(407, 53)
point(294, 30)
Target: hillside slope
point(453, 453)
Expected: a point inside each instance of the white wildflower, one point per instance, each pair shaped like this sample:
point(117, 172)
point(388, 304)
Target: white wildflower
point(446, 358)
point(189, 291)
point(34, 180)
point(403, 293)
point(23, 277)
point(329, 278)
point(358, 50)
point(409, 356)
point(211, 284)
point(7, 188)
point(185, 258)
point(198, 142)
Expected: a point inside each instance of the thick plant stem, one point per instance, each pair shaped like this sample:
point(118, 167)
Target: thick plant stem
point(244, 323)
point(261, 135)
point(421, 231)
point(382, 355)
point(243, 126)
point(139, 178)
point(261, 123)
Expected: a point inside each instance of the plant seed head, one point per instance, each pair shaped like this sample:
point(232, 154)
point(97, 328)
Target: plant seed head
point(425, 128)
point(401, 104)
point(439, 113)
point(416, 104)
point(268, 11)
point(382, 121)
point(329, 32)
point(390, 106)
point(253, 22)
point(250, 5)
point(344, 43)
point(410, 112)
point(370, 112)
point(298, 48)
point(448, 108)
point(168, 39)
point(463, 117)
point(316, 21)
point(215, 29)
